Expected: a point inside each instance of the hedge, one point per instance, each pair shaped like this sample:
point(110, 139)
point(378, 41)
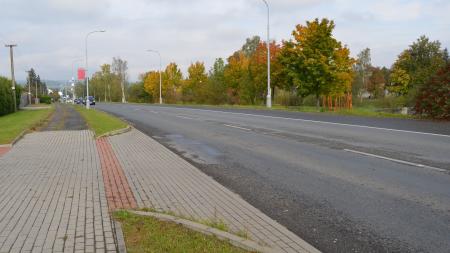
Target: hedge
point(6, 96)
point(45, 99)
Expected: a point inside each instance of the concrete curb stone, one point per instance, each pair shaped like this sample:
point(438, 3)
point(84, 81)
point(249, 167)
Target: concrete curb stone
point(121, 246)
point(221, 235)
point(116, 132)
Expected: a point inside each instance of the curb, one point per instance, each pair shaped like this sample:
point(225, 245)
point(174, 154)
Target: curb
point(20, 136)
point(23, 133)
point(121, 247)
point(221, 235)
point(35, 108)
point(116, 132)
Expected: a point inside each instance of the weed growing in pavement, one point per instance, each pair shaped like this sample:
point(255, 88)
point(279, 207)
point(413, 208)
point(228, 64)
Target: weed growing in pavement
point(243, 233)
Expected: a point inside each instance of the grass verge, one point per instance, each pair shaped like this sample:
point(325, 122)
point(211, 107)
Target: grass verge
point(361, 111)
point(147, 234)
point(356, 111)
point(100, 122)
point(12, 125)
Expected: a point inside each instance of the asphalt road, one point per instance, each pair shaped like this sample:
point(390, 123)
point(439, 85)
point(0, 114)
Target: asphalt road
point(344, 184)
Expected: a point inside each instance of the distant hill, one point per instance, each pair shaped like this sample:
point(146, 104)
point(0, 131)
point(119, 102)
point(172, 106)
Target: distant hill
point(51, 84)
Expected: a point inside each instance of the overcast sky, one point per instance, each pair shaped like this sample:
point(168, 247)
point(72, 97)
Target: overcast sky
point(50, 33)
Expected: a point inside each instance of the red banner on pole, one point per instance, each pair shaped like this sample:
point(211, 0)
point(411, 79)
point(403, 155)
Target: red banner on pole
point(81, 74)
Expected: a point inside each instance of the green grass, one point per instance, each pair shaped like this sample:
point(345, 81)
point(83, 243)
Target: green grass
point(363, 111)
point(147, 234)
point(12, 125)
point(100, 122)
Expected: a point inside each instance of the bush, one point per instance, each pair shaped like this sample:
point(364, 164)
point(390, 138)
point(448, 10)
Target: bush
point(433, 98)
point(6, 97)
point(45, 99)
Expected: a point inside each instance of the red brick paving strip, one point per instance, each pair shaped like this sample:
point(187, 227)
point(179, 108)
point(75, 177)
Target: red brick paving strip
point(118, 191)
point(4, 150)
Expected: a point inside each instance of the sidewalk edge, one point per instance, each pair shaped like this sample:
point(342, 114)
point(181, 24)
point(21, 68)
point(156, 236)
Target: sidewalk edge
point(116, 132)
point(201, 228)
point(121, 246)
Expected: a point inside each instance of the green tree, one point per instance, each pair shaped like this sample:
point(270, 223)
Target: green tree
point(363, 66)
point(172, 81)
point(120, 68)
point(314, 62)
point(216, 87)
point(250, 46)
point(237, 78)
point(6, 96)
point(416, 65)
point(193, 89)
point(137, 94)
point(446, 56)
point(400, 81)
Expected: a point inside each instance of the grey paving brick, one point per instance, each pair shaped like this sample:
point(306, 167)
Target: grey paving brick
point(162, 180)
point(52, 193)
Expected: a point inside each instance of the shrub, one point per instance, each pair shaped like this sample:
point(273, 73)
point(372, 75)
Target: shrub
point(6, 97)
point(433, 98)
point(45, 99)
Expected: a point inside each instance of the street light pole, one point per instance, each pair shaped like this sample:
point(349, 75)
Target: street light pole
point(160, 74)
point(13, 81)
point(87, 67)
point(269, 89)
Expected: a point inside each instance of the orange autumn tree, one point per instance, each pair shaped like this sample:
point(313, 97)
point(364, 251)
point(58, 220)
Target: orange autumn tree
point(258, 69)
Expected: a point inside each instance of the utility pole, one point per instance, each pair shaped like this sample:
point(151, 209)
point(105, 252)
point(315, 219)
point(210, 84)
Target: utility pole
point(29, 86)
point(13, 81)
point(36, 99)
point(269, 89)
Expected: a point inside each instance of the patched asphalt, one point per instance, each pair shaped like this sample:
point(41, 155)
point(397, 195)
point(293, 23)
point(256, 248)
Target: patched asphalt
point(65, 117)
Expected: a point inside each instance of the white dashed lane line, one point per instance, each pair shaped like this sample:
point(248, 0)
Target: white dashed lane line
point(315, 121)
point(237, 127)
point(395, 160)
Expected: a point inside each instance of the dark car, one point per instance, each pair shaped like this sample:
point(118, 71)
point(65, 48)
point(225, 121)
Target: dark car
point(91, 100)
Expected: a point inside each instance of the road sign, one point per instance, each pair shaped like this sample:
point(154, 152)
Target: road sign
point(81, 74)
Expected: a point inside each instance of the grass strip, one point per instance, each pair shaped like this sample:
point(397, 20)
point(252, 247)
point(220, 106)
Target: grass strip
point(12, 125)
point(100, 122)
point(147, 234)
point(360, 111)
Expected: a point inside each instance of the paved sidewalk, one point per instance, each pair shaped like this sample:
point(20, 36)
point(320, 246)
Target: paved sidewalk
point(52, 197)
point(4, 150)
point(164, 181)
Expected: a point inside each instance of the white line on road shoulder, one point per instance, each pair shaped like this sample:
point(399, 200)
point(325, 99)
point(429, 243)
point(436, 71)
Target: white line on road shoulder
point(313, 121)
point(242, 128)
point(395, 160)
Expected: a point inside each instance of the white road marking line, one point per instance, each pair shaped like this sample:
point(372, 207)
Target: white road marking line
point(395, 160)
point(184, 117)
point(242, 128)
point(314, 121)
point(155, 112)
